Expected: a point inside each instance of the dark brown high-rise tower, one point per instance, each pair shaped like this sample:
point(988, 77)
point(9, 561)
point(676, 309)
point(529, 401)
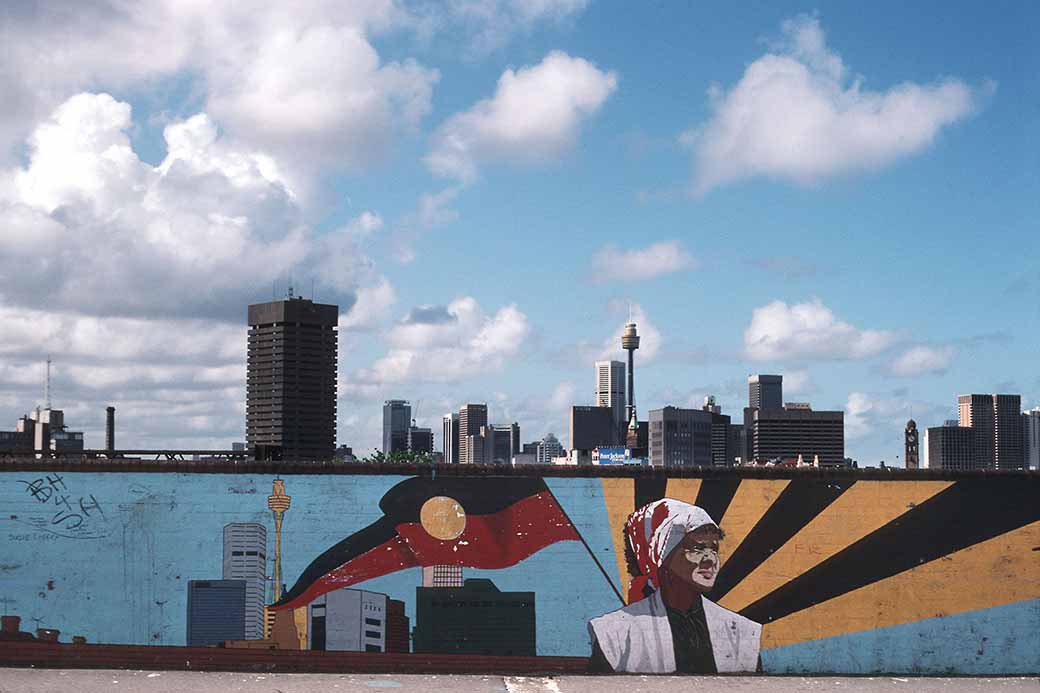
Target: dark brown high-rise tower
point(291, 380)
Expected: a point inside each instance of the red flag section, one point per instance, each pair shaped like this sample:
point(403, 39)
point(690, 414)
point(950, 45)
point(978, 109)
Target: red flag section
point(493, 523)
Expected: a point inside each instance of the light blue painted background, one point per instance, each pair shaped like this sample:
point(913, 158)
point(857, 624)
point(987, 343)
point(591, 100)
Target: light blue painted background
point(1002, 640)
point(162, 530)
point(127, 582)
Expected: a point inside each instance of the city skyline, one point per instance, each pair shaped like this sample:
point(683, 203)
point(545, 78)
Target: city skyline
point(146, 204)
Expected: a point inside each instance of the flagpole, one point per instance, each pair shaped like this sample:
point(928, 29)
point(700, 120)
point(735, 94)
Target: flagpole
point(585, 544)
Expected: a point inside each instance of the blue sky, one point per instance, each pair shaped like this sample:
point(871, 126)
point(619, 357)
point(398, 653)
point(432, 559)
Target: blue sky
point(841, 194)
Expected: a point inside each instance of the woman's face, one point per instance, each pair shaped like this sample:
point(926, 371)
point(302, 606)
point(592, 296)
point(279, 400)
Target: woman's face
point(695, 561)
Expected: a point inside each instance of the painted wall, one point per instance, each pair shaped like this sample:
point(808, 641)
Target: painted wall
point(843, 575)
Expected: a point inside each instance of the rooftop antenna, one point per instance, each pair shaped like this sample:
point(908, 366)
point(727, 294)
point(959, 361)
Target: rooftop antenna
point(289, 293)
point(47, 384)
point(313, 297)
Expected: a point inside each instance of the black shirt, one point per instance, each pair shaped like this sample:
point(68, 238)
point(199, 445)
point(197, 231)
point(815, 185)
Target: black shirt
point(690, 638)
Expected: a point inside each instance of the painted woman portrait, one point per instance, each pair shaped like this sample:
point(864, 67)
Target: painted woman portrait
point(669, 626)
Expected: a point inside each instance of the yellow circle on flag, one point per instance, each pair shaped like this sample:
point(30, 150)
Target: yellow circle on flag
point(443, 518)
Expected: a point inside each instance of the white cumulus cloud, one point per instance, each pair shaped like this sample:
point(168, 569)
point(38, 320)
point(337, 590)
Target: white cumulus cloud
point(798, 113)
point(534, 117)
point(922, 359)
point(779, 331)
point(449, 344)
point(666, 257)
point(89, 227)
point(302, 81)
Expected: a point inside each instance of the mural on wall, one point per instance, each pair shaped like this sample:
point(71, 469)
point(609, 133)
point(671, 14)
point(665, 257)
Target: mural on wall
point(649, 575)
point(672, 556)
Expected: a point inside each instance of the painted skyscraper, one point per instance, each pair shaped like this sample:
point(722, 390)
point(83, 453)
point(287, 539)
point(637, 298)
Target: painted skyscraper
point(245, 558)
point(291, 380)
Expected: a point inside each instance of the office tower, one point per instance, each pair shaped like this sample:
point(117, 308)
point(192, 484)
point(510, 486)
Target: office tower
point(451, 438)
point(110, 428)
point(397, 418)
point(278, 502)
point(722, 450)
point(472, 417)
point(681, 437)
point(348, 620)
point(216, 611)
point(735, 444)
point(420, 439)
point(245, 558)
point(475, 619)
point(949, 447)
point(777, 434)
point(291, 380)
point(610, 392)
point(548, 448)
point(976, 412)
point(997, 422)
point(593, 427)
point(505, 443)
point(1008, 452)
point(911, 458)
point(1031, 438)
point(766, 391)
point(442, 576)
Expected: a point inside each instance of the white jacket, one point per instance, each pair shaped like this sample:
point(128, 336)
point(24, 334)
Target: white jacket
point(638, 639)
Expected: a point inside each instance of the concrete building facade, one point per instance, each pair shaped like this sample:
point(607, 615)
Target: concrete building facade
point(1031, 438)
point(610, 393)
point(682, 437)
point(397, 419)
point(997, 422)
point(472, 418)
point(593, 427)
point(949, 447)
point(549, 449)
point(766, 391)
point(291, 380)
point(775, 434)
point(450, 437)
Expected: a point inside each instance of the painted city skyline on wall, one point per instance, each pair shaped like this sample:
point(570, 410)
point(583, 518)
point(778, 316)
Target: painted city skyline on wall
point(771, 574)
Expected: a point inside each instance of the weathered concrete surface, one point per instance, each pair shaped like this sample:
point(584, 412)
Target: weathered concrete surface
point(104, 681)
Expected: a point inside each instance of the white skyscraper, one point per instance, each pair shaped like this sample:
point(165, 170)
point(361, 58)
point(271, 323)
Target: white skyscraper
point(1031, 437)
point(245, 558)
point(610, 392)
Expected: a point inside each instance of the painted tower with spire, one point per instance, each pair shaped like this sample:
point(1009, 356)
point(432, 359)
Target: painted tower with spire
point(278, 502)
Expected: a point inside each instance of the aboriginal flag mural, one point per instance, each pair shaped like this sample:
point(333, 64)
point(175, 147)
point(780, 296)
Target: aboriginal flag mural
point(477, 523)
point(805, 573)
